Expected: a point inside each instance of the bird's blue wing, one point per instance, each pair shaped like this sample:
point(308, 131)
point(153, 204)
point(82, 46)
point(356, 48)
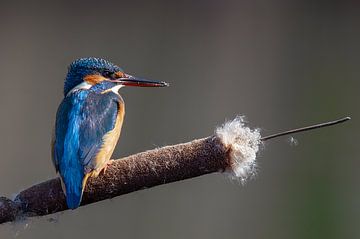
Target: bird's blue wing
point(100, 113)
point(82, 121)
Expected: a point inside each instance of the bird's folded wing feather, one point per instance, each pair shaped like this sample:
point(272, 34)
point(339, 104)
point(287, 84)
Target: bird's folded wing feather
point(96, 117)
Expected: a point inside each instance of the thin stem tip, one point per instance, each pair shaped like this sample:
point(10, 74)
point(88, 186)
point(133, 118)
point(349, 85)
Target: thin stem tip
point(311, 127)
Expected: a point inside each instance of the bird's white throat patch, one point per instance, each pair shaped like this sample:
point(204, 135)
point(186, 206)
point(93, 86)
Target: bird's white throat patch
point(116, 89)
point(85, 86)
point(82, 86)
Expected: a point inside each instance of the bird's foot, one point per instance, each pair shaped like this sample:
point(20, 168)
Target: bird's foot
point(106, 166)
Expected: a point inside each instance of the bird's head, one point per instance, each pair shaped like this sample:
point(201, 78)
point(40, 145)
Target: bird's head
point(84, 73)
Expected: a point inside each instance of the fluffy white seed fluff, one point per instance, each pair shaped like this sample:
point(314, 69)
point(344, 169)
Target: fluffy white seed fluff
point(243, 143)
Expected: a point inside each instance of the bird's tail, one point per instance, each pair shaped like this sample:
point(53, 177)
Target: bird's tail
point(73, 191)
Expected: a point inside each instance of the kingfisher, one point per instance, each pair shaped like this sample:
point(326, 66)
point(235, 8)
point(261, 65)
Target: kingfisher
point(89, 121)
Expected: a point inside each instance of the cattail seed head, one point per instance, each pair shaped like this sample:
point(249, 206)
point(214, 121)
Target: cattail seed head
point(243, 144)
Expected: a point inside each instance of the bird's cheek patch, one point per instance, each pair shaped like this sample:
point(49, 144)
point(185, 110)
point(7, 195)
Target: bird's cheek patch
point(94, 79)
point(119, 74)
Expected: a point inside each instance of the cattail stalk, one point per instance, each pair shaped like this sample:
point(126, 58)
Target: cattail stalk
point(232, 150)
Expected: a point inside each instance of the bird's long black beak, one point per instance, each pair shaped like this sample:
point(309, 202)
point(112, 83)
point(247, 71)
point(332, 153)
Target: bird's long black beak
point(128, 80)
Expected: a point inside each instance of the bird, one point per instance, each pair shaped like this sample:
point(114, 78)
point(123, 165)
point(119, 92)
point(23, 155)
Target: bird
point(88, 122)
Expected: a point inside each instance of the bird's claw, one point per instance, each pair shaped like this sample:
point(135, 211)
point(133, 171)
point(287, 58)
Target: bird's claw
point(106, 166)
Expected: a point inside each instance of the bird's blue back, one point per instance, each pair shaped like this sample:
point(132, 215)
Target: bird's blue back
point(83, 118)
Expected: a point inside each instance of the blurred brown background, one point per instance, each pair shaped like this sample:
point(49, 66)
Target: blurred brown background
point(283, 64)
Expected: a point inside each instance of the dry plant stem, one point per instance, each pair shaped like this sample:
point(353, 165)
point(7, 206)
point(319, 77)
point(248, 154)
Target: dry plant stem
point(139, 171)
point(232, 150)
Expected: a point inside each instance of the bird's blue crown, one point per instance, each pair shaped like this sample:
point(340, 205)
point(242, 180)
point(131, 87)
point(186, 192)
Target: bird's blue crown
point(82, 67)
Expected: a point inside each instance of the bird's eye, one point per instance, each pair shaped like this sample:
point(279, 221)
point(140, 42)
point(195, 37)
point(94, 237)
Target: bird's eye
point(109, 74)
